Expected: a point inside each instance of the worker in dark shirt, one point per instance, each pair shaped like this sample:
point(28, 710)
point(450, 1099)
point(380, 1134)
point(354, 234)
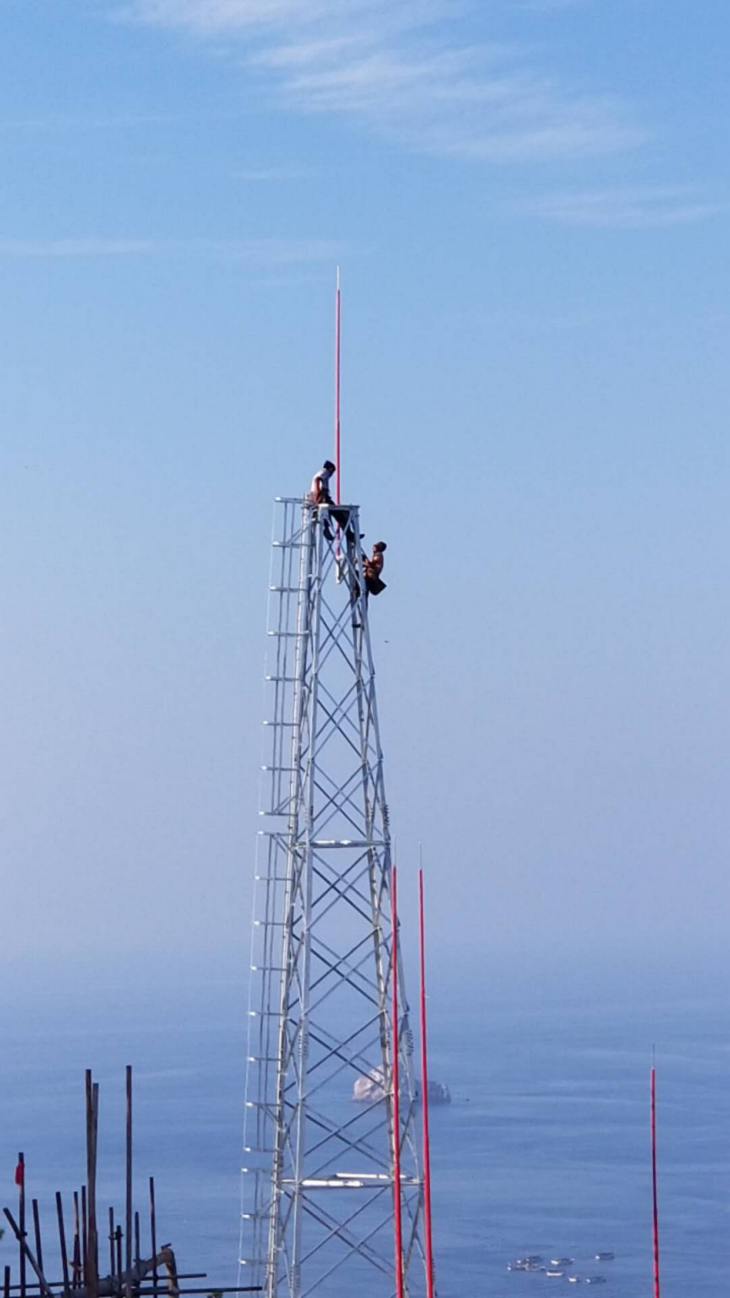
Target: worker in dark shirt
point(373, 567)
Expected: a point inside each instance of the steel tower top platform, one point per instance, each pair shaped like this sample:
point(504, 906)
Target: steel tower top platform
point(318, 1181)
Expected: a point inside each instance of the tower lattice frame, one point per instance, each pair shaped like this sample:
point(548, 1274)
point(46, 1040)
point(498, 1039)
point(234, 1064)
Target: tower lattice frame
point(318, 1185)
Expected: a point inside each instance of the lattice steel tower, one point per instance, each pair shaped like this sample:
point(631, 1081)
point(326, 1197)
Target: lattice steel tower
point(318, 1181)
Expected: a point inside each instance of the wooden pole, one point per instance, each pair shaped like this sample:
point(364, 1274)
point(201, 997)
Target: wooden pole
point(153, 1230)
point(655, 1207)
point(84, 1237)
point(92, 1251)
point(20, 1178)
point(26, 1251)
point(119, 1253)
point(112, 1237)
point(37, 1233)
point(396, 1094)
point(96, 1150)
point(424, 1098)
point(137, 1254)
point(6, 1282)
point(79, 1261)
point(62, 1239)
point(128, 1223)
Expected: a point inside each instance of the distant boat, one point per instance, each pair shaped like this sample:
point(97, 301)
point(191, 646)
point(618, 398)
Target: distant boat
point(526, 1264)
point(561, 1261)
point(595, 1279)
point(574, 1279)
point(605, 1257)
point(555, 1273)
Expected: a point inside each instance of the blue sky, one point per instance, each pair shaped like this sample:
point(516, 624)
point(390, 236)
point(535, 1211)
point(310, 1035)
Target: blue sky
point(529, 200)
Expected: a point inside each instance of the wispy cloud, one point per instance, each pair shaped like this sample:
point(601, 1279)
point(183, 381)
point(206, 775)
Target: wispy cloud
point(398, 66)
point(223, 16)
point(121, 121)
point(259, 252)
point(274, 175)
point(25, 248)
point(623, 208)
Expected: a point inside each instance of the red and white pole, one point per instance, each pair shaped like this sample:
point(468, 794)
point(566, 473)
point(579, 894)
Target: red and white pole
point(395, 1046)
point(424, 1098)
point(655, 1213)
point(338, 336)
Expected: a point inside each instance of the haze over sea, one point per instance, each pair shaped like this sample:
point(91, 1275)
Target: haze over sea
point(544, 1149)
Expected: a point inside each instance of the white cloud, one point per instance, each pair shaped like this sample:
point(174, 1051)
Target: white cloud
point(259, 252)
point(623, 208)
point(224, 16)
point(122, 122)
point(22, 248)
point(397, 66)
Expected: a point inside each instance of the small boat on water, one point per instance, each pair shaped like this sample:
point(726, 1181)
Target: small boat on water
point(605, 1257)
point(595, 1279)
point(561, 1261)
point(554, 1274)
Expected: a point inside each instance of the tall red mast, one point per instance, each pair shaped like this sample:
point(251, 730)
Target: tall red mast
point(424, 1098)
point(338, 334)
point(396, 1095)
point(655, 1213)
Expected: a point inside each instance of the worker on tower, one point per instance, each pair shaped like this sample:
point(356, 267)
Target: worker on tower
point(320, 494)
point(373, 567)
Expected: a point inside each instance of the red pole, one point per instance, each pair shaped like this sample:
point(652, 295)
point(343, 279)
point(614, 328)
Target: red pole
point(338, 334)
point(396, 1096)
point(424, 1097)
point(654, 1184)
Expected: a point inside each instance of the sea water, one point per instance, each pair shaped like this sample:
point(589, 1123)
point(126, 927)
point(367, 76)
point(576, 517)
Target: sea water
point(544, 1149)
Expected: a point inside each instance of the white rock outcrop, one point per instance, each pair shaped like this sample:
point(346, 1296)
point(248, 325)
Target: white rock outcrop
point(369, 1089)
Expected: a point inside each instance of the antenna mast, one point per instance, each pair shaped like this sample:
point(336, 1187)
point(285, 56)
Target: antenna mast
point(338, 335)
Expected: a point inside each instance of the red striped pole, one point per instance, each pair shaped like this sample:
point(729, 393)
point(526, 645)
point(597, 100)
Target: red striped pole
point(396, 1095)
point(424, 1097)
point(338, 335)
point(654, 1184)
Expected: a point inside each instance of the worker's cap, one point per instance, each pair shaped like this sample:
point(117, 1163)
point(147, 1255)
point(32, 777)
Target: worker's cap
point(380, 545)
point(329, 466)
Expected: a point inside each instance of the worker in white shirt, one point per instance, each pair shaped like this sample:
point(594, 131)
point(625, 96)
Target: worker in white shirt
point(320, 494)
